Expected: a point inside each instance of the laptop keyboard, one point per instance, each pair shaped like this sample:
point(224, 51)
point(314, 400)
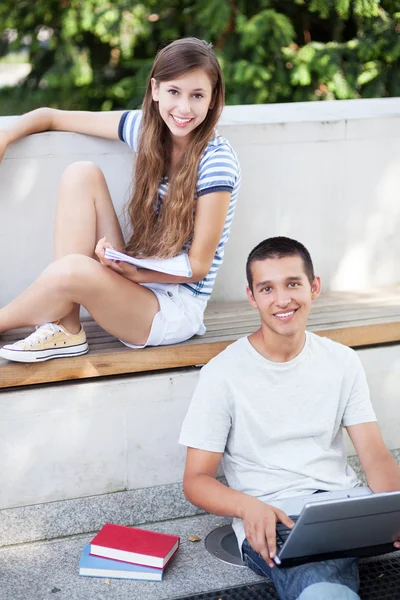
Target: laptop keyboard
point(282, 532)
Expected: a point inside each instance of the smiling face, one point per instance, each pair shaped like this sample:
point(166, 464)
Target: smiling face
point(183, 102)
point(282, 293)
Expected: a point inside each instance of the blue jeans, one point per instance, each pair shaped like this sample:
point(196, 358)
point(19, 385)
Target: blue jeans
point(328, 580)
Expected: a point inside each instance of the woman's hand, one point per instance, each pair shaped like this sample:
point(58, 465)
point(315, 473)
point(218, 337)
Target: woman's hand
point(122, 268)
point(99, 252)
point(129, 271)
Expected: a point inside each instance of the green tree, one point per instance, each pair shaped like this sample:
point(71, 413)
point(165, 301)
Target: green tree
point(96, 54)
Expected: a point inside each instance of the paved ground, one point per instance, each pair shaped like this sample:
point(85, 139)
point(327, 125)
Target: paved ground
point(49, 570)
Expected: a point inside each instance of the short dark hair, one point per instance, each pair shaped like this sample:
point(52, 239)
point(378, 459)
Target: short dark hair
point(279, 247)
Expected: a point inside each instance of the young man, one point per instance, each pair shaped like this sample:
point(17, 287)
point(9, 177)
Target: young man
point(273, 406)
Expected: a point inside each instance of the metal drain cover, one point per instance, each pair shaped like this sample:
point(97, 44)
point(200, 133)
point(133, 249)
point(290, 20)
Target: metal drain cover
point(222, 544)
point(380, 580)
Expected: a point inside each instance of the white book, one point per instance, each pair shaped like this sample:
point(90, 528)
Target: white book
point(178, 265)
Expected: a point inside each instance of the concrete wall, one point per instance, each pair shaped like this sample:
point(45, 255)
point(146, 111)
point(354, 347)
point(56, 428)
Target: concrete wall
point(80, 439)
point(326, 173)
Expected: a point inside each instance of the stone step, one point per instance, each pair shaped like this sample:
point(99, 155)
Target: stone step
point(52, 520)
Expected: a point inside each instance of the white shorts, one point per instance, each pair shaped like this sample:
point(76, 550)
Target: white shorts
point(179, 318)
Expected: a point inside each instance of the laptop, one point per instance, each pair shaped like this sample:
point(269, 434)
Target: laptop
point(328, 525)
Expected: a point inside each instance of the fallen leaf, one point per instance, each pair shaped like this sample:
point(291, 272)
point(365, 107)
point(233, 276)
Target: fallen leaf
point(194, 538)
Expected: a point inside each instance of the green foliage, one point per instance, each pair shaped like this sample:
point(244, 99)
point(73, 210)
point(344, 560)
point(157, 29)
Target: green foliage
point(96, 54)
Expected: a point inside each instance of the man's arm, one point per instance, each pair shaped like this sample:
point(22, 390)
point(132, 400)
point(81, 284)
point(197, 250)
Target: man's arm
point(380, 468)
point(203, 489)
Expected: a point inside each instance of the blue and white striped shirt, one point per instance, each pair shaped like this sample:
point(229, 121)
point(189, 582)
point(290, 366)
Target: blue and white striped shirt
point(219, 171)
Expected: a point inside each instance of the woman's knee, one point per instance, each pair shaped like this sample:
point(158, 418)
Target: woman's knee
point(70, 273)
point(82, 172)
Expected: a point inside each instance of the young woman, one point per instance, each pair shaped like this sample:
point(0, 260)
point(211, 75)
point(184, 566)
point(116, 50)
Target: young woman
point(186, 184)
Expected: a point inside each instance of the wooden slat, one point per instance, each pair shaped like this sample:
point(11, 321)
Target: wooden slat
point(354, 319)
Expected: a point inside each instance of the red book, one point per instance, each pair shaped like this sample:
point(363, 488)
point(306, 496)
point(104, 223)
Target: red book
point(133, 545)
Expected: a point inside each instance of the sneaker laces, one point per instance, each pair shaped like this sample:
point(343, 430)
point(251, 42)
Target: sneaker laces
point(43, 332)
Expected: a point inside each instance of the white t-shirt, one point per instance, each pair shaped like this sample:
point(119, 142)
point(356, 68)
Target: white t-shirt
point(279, 425)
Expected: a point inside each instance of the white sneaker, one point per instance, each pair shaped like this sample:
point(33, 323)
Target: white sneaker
point(48, 341)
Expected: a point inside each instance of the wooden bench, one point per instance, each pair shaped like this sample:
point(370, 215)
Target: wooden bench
point(352, 318)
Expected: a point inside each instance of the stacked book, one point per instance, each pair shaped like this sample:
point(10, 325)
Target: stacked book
point(128, 553)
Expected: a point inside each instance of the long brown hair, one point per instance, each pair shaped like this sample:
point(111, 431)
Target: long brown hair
point(163, 233)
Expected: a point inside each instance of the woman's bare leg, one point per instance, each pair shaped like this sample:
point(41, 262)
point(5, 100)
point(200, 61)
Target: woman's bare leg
point(123, 308)
point(85, 213)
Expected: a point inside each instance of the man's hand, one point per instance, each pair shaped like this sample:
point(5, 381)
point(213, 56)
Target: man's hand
point(259, 522)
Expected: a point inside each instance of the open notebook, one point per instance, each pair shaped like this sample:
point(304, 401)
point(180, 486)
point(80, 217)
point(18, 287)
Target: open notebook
point(178, 265)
